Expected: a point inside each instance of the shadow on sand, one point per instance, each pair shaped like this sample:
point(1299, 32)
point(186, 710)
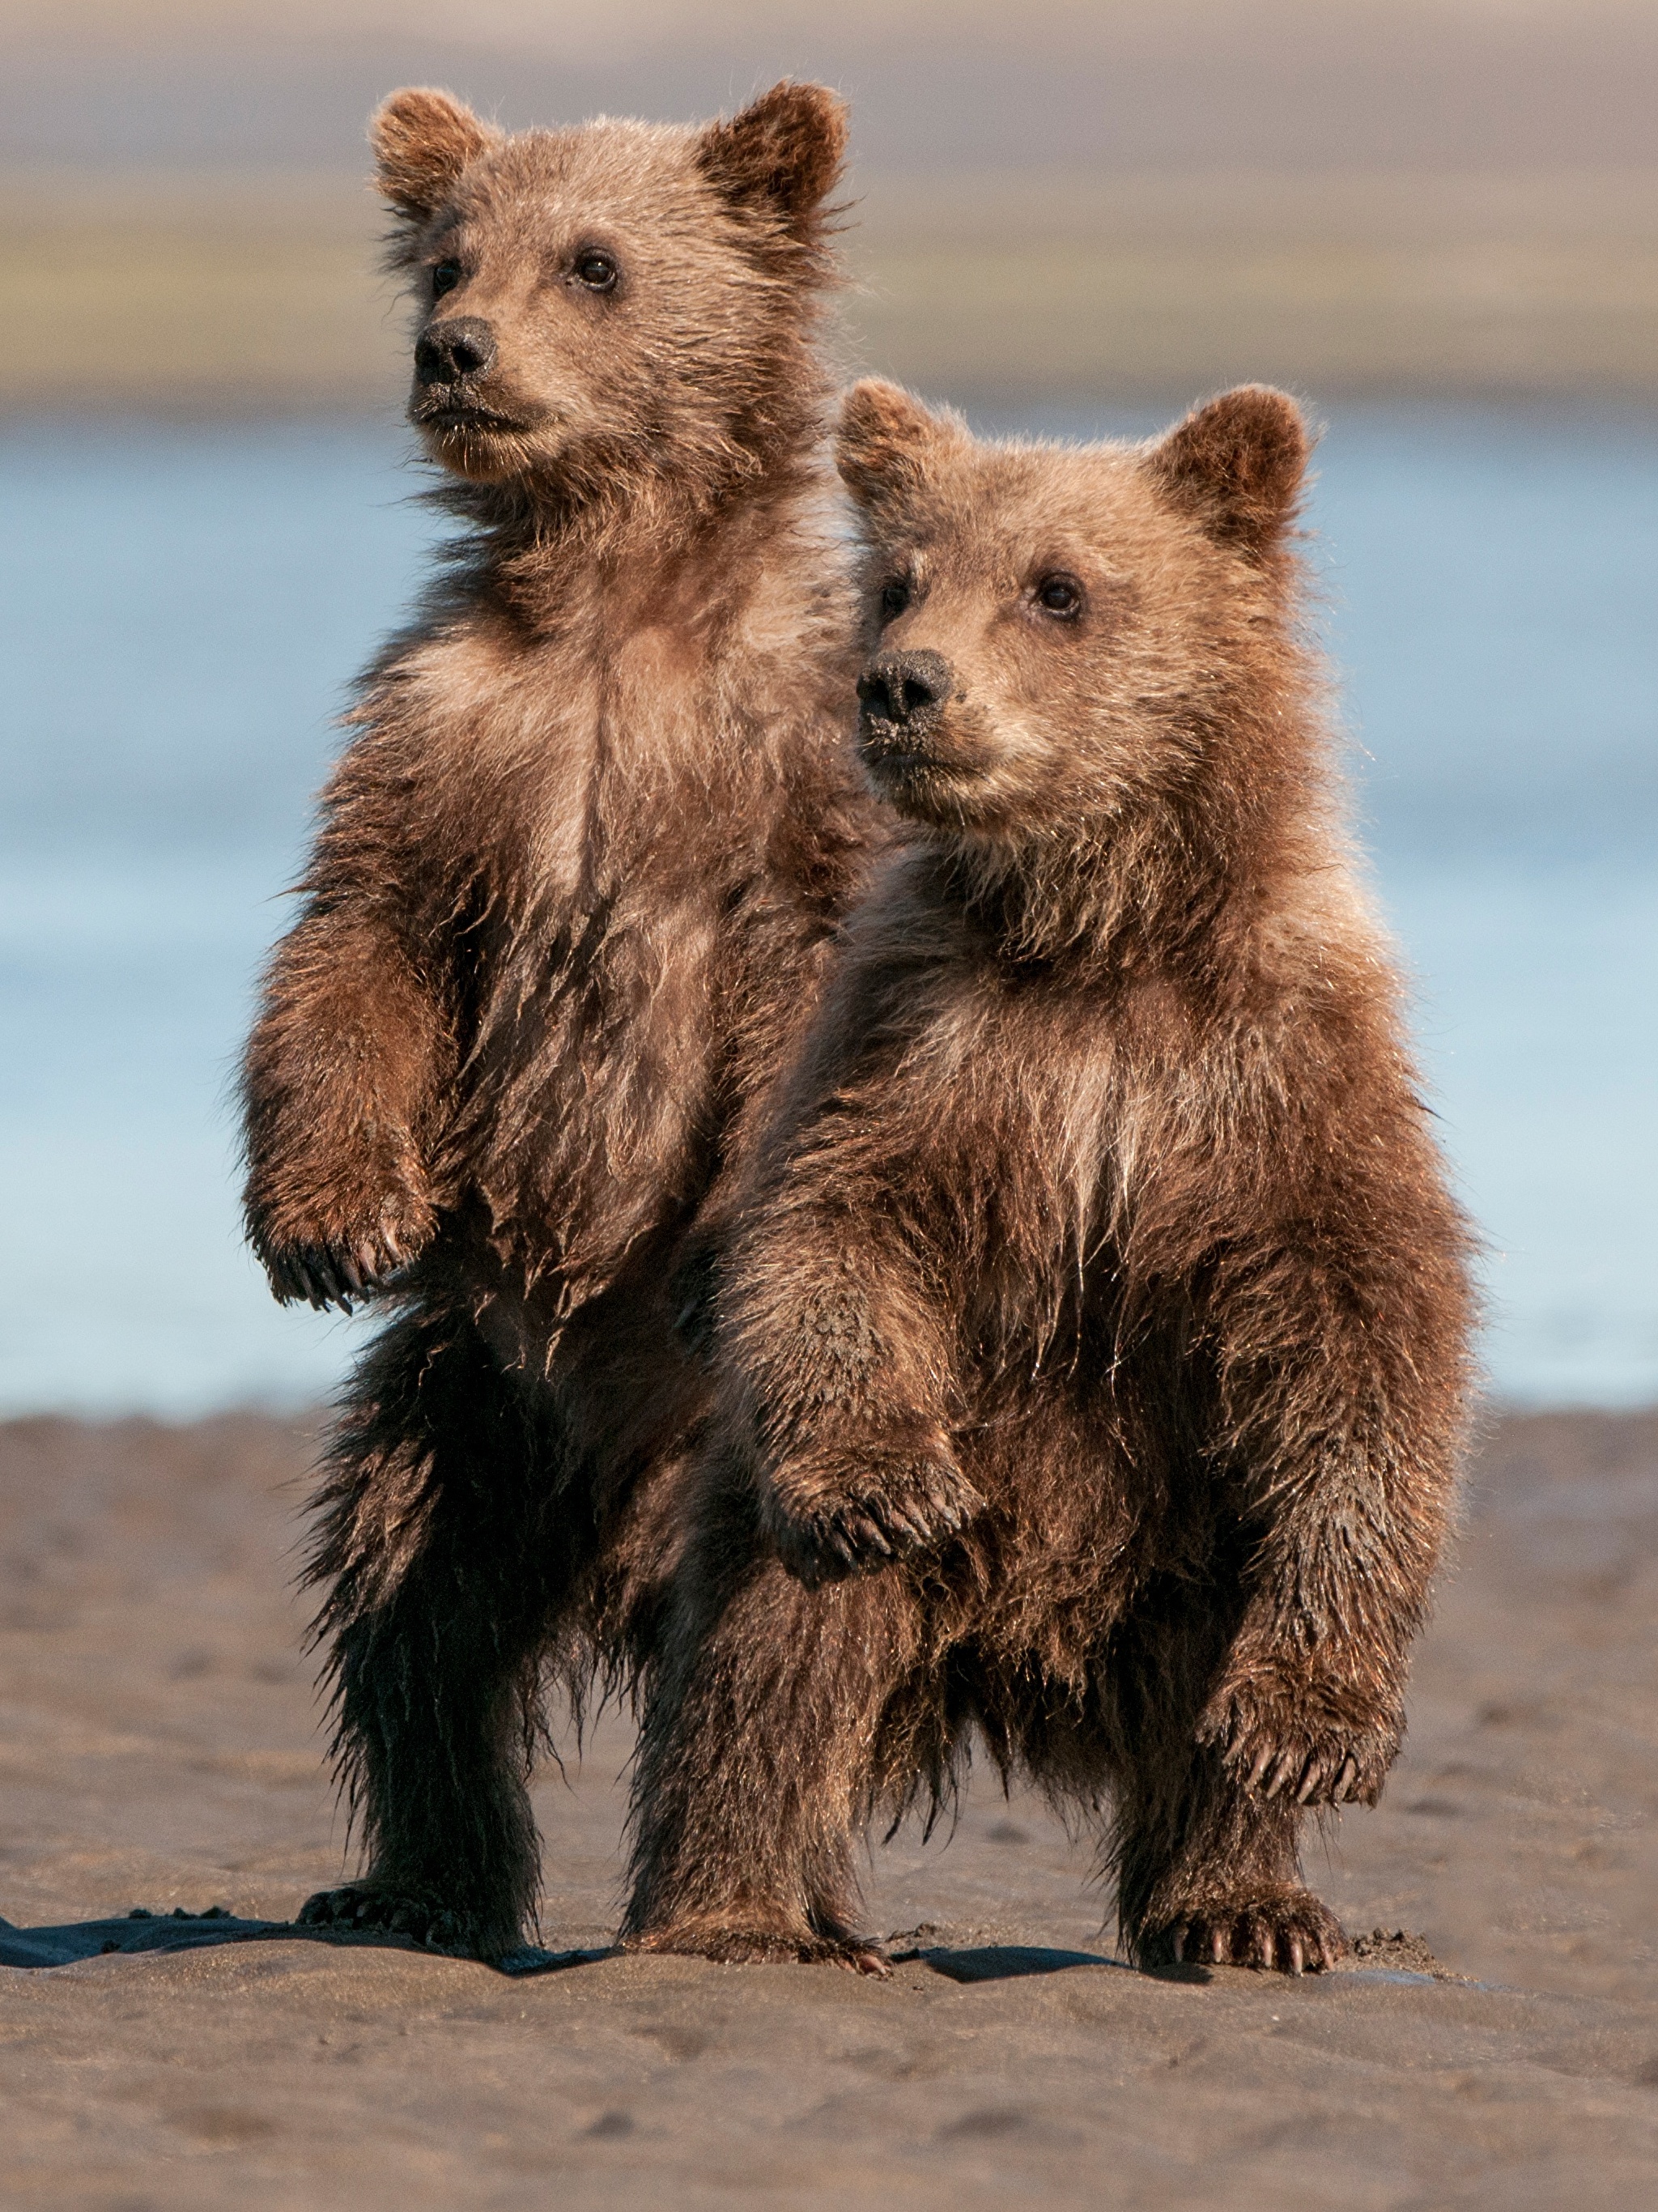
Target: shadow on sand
point(1002, 1962)
point(139, 1931)
point(142, 1931)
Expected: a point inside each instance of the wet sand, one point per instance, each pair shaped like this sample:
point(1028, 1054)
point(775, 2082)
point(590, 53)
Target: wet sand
point(159, 1748)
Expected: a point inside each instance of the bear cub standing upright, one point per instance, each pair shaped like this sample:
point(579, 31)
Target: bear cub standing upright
point(1094, 1333)
point(574, 880)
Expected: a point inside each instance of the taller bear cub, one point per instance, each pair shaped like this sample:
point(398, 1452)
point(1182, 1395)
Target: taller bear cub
point(574, 883)
point(1095, 1335)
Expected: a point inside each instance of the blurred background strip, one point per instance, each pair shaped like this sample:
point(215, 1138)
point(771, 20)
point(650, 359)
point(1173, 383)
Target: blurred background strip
point(1362, 196)
point(1437, 220)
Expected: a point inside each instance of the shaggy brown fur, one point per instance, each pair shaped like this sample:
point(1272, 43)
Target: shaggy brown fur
point(572, 884)
point(1095, 1333)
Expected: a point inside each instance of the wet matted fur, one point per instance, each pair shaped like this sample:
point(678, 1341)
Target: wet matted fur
point(1093, 1337)
point(573, 884)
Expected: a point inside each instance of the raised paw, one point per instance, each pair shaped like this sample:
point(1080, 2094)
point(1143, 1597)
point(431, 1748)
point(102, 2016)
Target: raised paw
point(1289, 1932)
point(362, 1907)
point(341, 1273)
point(828, 1522)
point(1278, 1748)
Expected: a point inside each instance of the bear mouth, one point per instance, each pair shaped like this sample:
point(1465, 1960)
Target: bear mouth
point(902, 759)
point(463, 415)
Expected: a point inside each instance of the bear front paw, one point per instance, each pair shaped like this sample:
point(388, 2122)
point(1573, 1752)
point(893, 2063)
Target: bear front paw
point(334, 1274)
point(343, 1263)
point(828, 1524)
point(1279, 1747)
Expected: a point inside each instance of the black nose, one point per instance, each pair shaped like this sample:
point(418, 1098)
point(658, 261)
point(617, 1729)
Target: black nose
point(449, 351)
point(907, 688)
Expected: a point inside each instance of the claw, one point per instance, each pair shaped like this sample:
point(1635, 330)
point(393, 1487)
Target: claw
point(1345, 1781)
point(1263, 1760)
point(1177, 1943)
point(901, 1535)
point(1297, 1953)
point(1220, 1949)
point(1310, 1781)
point(863, 1533)
point(865, 1962)
point(1284, 1768)
point(1262, 1946)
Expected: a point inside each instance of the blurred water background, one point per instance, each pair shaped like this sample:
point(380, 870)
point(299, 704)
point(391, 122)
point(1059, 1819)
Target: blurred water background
point(182, 608)
point(1437, 219)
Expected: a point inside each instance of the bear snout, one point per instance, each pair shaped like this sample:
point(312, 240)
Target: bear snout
point(905, 689)
point(449, 352)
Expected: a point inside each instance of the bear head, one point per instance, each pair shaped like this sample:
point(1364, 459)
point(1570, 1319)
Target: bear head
point(613, 302)
point(1059, 637)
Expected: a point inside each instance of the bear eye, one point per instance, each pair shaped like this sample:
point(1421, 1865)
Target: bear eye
point(1060, 596)
point(598, 272)
point(895, 598)
point(445, 277)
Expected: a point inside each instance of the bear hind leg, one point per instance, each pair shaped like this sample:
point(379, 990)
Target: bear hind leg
point(1207, 1870)
point(440, 1603)
point(755, 1767)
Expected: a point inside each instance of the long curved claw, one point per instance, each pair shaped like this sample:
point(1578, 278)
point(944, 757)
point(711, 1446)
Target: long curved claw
point(864, 1535)
point(863, 1960)
point(1282, 1768)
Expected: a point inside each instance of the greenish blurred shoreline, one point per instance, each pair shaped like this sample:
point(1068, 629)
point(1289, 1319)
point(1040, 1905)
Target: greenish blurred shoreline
point(242, 292)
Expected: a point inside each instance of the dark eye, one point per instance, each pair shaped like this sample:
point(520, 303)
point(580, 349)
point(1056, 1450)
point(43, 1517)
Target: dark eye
point(445, 277)
point(1060, 597)
point(596, 271)
point(895, 598)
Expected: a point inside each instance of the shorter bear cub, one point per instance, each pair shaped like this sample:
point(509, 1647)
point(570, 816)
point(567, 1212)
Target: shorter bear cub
point(1094, 1332)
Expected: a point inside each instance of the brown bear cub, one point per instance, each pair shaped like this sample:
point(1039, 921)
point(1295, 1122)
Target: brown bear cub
point(1094, 1331)
point(574, 880)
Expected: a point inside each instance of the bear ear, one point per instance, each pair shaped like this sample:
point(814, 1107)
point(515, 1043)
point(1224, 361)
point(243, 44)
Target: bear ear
point(779, 156)
point(884, 440)
point(422, 140)
point(1236, 465)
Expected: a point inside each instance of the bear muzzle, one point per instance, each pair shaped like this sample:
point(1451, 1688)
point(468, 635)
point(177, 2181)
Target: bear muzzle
point(454, 351)
point(900, 697)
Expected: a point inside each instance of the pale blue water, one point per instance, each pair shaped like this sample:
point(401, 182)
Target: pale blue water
point(182, 608)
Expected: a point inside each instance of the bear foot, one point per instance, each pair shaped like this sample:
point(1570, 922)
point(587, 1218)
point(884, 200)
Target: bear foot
point(385, 1908)
point(1291, 1933)
point(730, 1944)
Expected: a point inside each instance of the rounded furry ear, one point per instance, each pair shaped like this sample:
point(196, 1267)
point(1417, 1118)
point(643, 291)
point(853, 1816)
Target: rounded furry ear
point(884, 437)
point(1237, 464)
point(780, 155)
point(423, 139)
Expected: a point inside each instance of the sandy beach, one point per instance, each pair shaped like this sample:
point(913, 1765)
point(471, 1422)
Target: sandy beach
point(162, 1751)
